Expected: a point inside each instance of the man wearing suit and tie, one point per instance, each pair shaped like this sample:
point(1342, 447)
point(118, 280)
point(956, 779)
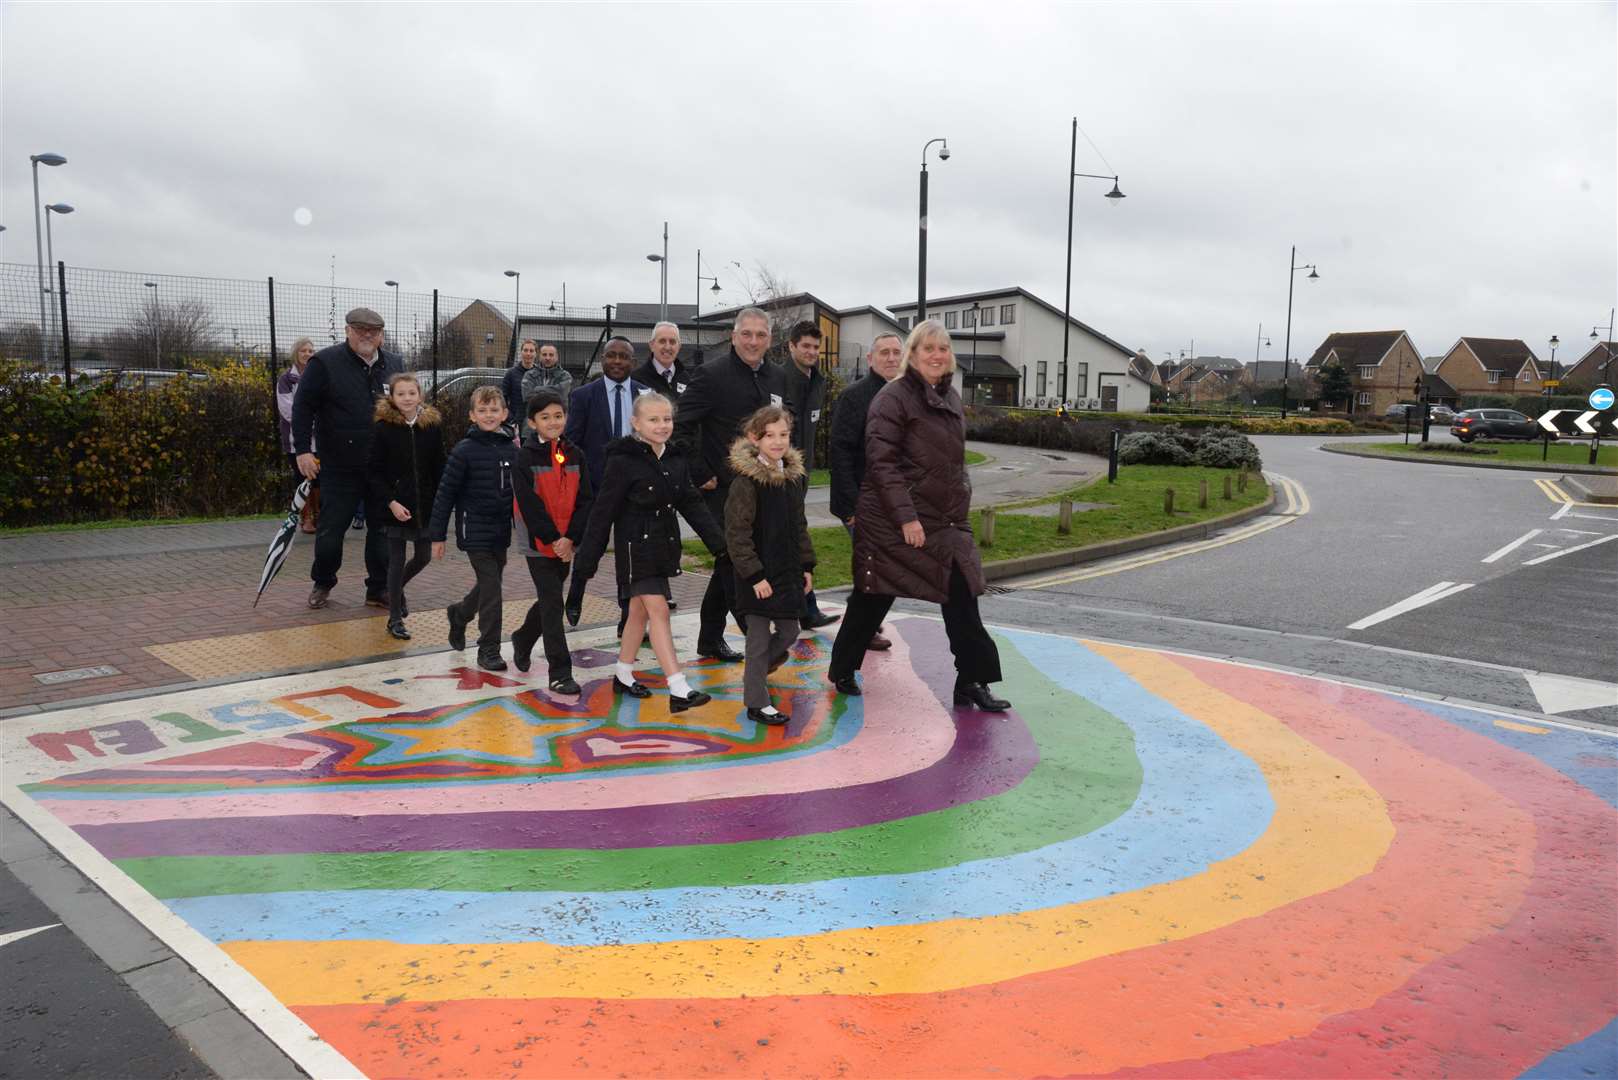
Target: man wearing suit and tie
point(598, 412)
point(663, 370)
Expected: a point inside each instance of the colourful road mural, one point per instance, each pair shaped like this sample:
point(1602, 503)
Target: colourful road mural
point(1158, 865)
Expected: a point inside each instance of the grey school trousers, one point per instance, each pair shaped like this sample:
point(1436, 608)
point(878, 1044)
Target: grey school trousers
point(763, 646)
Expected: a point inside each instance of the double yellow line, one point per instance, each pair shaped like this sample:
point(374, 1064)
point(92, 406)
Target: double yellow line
point(1553, 491)
point(1297, 505)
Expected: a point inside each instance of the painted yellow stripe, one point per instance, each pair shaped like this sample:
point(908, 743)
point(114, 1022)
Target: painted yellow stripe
point(1329, 828)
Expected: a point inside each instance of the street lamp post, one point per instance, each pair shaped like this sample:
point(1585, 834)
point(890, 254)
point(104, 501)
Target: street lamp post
point(394, 285)
point(516, 314)
point(662, 262)
point(50, 254)
point(157, 326)
point(1286, 352)
point(976, 317)
point(1117, 197)
point(1606, 375)
point(36, 161)
point(921, 257)
point(701, 277)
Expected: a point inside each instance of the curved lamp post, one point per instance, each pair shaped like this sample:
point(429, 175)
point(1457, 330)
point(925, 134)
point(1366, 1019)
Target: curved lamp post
point(50, 254)
point(516, 313)
point(394, 285)
point(1286, 353)
point(1117, 197)
point(157, 325)
point(36, 161)
point(921, 257)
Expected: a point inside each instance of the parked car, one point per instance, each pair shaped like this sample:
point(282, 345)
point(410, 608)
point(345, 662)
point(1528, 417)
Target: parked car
point(1495, 424)
point(1440, 414)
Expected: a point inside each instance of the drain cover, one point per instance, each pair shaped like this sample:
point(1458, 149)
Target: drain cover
point(101, 671)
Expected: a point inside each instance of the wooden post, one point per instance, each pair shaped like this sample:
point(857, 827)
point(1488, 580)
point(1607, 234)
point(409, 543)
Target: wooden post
point(1241, 480)
point(1168, 501)
point(1202, 494)
point(1227, 485)
point(986, 529)
point(1064, 523)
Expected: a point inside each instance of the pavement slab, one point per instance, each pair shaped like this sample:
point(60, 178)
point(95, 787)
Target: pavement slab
point(406, 867)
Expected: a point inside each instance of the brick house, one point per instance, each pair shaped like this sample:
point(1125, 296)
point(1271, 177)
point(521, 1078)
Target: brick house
point(1494, 366)
point(1599, 365)
point(1382, 366)
point(480, 336)
point(1194, 382)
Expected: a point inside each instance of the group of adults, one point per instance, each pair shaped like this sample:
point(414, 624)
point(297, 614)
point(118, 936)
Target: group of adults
point(898, 475)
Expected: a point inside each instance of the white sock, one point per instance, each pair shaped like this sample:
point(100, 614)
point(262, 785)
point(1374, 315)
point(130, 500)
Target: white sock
point(770, 710)
point(625, 673)
point(678, 686)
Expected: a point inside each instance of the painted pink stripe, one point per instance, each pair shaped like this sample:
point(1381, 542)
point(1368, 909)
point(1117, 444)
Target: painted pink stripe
point(913, 731)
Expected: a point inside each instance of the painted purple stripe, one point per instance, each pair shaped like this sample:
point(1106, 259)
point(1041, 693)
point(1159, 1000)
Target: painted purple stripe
point(988, 757)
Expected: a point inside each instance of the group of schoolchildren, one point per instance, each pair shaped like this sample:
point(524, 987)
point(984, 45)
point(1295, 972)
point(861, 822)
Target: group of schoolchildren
point(540, 488)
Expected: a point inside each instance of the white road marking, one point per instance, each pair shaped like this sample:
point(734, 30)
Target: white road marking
point(18, 935)
point(1564, 693)
point(1562, 513)
point(1429, 595)
point(1514, 545)
point(1571, 550)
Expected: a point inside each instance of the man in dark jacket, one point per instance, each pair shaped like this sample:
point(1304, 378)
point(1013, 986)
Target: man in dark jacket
point(806, 396)
point(663, 370)
point(721, 394)
point(335, 405)
point(847, 440)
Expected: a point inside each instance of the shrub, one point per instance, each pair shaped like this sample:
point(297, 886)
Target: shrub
point(1152, 448)
point(1228, 450)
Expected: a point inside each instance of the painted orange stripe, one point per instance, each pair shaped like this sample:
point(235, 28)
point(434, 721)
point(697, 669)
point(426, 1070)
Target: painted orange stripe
point(1457, 869)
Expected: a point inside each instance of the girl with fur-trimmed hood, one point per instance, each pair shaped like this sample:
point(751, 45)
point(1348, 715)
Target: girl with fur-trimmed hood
point(767, 536)
point(406, 459)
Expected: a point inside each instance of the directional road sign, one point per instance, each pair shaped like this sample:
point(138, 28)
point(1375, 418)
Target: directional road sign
point(1578, 423)
point(1600, 398)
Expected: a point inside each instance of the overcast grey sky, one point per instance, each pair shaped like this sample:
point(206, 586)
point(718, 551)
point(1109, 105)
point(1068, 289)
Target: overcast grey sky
point(1450, 167)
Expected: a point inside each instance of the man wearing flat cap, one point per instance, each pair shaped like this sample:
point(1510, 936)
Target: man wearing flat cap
point(336, 403)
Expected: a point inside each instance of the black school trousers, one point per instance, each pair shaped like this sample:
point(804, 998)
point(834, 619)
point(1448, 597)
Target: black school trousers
point(544, 619)
point(720, 600)
point(977, 660)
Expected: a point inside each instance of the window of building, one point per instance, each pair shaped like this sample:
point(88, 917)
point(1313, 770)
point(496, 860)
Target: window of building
point(987, 316)
point(1367, 371)
point(1008, 314)
point(1365, 397)
point(1081, 388)
point(949, 320)
point(968, 319)
point(1039, 380)
point(1494, 377)
point(1061, 379)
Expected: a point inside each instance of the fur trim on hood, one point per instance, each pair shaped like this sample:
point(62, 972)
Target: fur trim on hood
point(387, 411)
point(745, 461)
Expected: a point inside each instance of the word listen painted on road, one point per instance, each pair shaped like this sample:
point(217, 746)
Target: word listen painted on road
point(1235, 871)
point(1574, 422)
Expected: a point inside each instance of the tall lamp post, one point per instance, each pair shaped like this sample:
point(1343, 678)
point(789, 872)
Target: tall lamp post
point(1606, 374)
point(563, 354)
point(36, 161)
point(157, 326)
point(394, 285)
point(701, 277)
point(921, 257)
point(50, 254)
point(1286, 352)
point(662, 276)
point(1117, 198)
point(516, 313)
point(1556, 377)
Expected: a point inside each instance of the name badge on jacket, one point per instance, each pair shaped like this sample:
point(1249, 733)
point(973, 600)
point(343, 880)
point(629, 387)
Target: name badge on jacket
point(775, 399)
point(814, 417)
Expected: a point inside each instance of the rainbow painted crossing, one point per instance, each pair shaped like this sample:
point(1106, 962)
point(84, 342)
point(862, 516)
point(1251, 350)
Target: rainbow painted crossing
point(1157, 865)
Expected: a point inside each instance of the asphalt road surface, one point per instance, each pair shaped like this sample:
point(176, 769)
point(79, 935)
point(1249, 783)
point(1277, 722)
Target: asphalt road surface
point(1444, 580)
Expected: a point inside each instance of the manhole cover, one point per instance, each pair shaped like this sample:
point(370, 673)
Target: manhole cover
point(101, 671)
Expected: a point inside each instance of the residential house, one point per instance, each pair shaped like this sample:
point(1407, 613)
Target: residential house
point(480, 336)
point(1477, 366)
point(1383, 366)
point(1595, 368)
point(1016, 339)
point(858, 328)
point(1271, 372)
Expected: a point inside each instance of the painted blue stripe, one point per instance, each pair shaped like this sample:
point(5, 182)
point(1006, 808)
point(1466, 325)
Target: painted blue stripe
point(1200, 802)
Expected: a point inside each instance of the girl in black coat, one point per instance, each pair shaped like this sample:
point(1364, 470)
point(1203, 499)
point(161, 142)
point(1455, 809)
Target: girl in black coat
point(402, 470)
point(645, 483)
point(768, 540)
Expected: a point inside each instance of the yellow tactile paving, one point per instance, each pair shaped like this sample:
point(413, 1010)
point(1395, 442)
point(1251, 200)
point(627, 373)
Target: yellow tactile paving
point(333, 642)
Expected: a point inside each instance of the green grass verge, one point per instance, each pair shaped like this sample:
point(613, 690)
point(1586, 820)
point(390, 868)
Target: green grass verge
point(1134, 506)
point(1561, 453)
point(822, 477)
point(128, 523)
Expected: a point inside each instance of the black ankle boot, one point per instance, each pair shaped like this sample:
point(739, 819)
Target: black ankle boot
point(979, 696)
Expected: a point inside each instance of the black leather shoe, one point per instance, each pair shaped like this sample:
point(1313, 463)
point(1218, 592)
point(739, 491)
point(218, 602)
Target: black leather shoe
point(457, 630)
point(775, 719)
point(721, 651)
point(521, 655)
point(397, 629)
point(491, 662)
point(690, 701)
point(846, 685)
point(319, 597)
point(634, 689)
point(565, 685)
point(980, 696)
point(879, 643)
point(377, 600)
point(815, 622)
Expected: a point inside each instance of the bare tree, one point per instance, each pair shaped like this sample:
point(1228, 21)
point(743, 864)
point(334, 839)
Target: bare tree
point(21, 341)
point(164, 335)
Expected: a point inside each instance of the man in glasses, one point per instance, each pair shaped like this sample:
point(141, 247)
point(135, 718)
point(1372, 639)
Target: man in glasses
point(335, 403)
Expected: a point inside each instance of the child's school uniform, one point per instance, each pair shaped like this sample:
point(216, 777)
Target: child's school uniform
point(476, 487)
point(767, 536)
point(551, 493)
point(405, 461)
point(639, 498)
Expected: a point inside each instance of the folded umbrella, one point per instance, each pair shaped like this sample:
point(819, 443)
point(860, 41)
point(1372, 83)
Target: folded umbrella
point(283, 541)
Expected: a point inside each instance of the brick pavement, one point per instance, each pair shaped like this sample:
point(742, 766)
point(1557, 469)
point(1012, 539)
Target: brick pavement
point(151, 601)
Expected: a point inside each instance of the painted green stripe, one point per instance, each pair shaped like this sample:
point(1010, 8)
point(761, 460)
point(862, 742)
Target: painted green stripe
point(1088, 774)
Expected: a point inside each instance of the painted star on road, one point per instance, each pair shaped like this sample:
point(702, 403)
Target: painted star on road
point(487, 731)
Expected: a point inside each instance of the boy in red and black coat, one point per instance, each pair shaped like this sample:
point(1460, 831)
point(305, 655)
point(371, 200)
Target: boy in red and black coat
point(551, 492)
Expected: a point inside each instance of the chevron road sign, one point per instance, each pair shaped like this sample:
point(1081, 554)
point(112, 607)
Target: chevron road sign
point(1576, 423)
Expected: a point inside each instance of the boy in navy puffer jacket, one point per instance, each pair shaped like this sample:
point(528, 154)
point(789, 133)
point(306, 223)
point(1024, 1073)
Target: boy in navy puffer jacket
point(476, 486)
